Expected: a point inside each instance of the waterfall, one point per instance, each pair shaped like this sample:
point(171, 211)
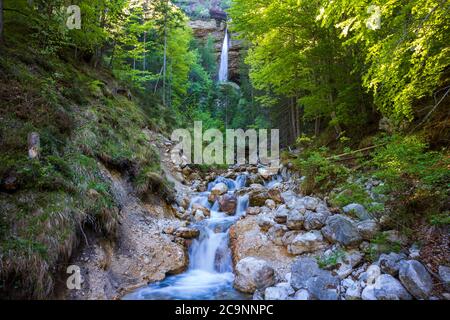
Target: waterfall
point(223, 70)
point(210, 273)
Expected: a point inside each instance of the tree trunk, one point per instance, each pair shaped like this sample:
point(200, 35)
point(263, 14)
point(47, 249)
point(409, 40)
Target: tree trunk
point(145, 51)
point(1, 21)
point(112, 55)
point(317, 127)
point(165, 59)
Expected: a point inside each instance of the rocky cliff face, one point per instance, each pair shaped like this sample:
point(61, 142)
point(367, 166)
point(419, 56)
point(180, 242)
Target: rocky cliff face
point(205, 28)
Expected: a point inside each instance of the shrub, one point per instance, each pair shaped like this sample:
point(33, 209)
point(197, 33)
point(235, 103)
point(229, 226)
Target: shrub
point(416, 179)
point(321, 173)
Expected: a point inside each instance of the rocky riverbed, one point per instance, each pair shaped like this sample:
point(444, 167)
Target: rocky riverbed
point(248, 232)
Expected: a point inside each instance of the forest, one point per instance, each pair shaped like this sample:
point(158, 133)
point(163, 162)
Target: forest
point(91, 91)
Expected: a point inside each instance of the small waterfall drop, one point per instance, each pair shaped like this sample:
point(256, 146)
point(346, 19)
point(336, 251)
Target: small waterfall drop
point(223, 70)
point(210, 273)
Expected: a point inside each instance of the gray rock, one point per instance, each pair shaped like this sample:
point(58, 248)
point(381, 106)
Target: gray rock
point(253, 211)
point(289, 237)
point(368, 229)
point(289, 197)
point(388, 288)
point(265, 223)
point(276, 233)
point(302, 269)
point(368, 293)
point(390, 263)
point(357, 210)
point(270, 204)
point(349, 261)
point(444, 273)
point(310, 203)
point(307, 242)
point(295, 220)
point(187, 233)
point(416, 279)
point(228, 204)
point(321, 285)
point(281, 214)
point(342, 230)
point(385, 287)
point(287, 286)
point(258, 295)
point(315, 221)
point(253, 274)
point(353, 292)
point(302, 295)
point(414, 252)
point(276, 293)
point(324, 286)
point(219, 189)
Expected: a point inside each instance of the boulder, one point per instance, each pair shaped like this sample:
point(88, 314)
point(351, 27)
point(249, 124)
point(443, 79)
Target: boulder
point(199, 216)
point(276, 234)
point(302, 295)
point(315, 221)
point(265, 223)
point(357, 210)
point(228, 204)
point(276, 293)
point(270, 204)
point(386, 287)
point(183, 201)
point(187, 233)
point(281, 214)
point(219, 189)
point(324, 286)
point(206, 211)
point(253, 211)
point(342, 230)
point(310, 203)
point(257, 197)
point(289, 237)
point(348, 262)
point(444, 274)
point(307, 242)
point(302, 269)
point(275, 195)
point(368, 229)
point(320, 284)
point(254, 179)
point(390, 263)
point(266, 173)
point(253, 274)
point(247, 240)
point(287, 286)
point(353, 292)
point(416, 279)
point(295, 220)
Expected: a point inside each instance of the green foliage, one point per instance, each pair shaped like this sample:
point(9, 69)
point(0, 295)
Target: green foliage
point(352, 193)
point(321, 173)
point(416, 179)
point(330, 260)
point(406, 57)
point(381, 244)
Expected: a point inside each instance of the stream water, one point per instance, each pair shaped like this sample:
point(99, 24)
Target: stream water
point(210, 272)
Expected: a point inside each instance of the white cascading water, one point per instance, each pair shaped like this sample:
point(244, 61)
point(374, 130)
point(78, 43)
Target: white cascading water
point(210, 273)
point(223, 70)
